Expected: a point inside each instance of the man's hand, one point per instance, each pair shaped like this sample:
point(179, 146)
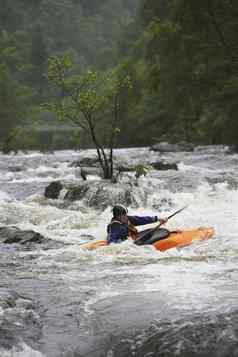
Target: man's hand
point(163, 220)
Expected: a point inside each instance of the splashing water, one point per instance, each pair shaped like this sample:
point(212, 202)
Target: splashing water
point(122, 300)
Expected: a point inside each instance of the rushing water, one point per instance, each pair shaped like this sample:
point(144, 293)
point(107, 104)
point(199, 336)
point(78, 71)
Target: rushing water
point(121, 300)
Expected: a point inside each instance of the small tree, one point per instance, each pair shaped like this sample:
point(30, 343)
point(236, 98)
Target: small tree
point(92, 101)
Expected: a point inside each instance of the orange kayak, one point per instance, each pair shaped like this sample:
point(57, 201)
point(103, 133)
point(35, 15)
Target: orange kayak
point(176, 238)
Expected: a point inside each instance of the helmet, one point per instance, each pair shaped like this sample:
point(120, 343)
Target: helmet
point(119, 210)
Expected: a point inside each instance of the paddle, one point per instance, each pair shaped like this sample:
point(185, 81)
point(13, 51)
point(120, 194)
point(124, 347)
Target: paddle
point(153, 230)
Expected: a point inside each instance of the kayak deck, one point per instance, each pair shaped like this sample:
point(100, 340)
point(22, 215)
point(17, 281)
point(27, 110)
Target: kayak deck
point(183, 238)
point(176, 238)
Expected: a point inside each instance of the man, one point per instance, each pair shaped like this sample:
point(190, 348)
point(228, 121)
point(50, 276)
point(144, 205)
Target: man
point(123, 226)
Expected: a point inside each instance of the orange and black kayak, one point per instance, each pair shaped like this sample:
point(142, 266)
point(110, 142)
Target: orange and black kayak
point(176, 238)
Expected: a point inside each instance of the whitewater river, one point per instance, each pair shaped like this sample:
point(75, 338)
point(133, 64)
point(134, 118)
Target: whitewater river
point(122, 300)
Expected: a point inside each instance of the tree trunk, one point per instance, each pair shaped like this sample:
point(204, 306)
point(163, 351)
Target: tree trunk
point(102, 157)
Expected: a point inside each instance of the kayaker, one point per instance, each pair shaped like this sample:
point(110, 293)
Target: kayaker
point(123, 226)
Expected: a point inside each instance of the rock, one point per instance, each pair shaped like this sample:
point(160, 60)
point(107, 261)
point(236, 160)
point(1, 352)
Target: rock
point(164, 166)
point(123, 168)
point(11, 235)
point(53, 190)
point(86, 161)
point(75, 193)
point(101, 194)
point(108, 195)
point(166, 147)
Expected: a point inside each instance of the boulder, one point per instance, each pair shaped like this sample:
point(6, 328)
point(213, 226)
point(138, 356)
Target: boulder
point(76, 192)
point(12, 234)
point(53, 190)
point(107, 195)
point(101, 194)
point(164, 166)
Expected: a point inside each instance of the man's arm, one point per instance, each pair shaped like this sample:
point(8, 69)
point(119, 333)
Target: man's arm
point(140, 220)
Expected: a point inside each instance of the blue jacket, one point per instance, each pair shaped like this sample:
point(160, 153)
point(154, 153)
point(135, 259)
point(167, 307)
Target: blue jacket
point(118, 232)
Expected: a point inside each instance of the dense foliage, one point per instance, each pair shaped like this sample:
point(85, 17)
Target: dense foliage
point(31, 32)
point(187, 70)
point(182, 57)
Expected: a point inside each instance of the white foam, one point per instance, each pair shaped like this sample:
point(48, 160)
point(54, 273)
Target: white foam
point(4, 196)
point(194, 276)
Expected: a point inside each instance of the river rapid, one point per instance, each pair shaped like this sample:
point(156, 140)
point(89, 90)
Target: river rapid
point(121, 300)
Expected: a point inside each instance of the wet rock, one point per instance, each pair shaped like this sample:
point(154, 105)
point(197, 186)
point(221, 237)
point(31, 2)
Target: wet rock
point(78, 192)
point(129, 168)
point(101, 194)
point(167, 147)
point(164, 166)
point(11, 235)
point(108, 195)
point(53, 190)
point(86, 161)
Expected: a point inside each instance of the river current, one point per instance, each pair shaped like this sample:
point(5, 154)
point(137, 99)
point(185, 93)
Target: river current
point(121, 300)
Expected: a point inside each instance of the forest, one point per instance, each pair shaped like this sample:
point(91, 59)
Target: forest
point(178, 58)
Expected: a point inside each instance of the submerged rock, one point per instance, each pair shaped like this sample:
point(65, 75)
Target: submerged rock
point(53, 190)
point(164, 166)
point(126, 168)
point(101, 194)
point(15, 168)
